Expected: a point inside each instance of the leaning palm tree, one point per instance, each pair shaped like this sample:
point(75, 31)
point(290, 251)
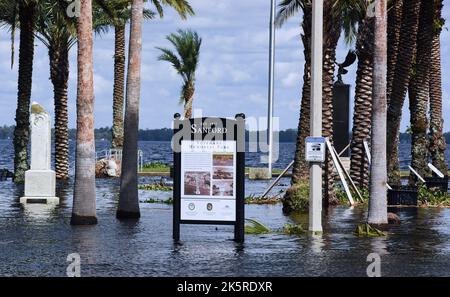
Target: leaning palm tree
point(116, 14)
point(21, 13)
point(129, 200)
point(378, 176)
point(402, 74)
point(185, 61)
point(419, 92)
point(58, 33)
point(437, 145)
point(84, 212)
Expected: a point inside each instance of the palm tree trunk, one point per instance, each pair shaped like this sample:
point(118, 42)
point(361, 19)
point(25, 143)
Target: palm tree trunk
point(129, 200)
point(394, 29)
point(332, 32)
point(362, 122)
point(119, 83)
point(406, 54)
point(59, 74)
point(27, 14)
point(188, 94)
point(419, 92)
point(84, 212)
point(300, 169)
point(378, 176)
point(437, 145)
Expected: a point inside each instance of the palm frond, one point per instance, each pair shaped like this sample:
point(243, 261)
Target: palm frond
point(287, 9)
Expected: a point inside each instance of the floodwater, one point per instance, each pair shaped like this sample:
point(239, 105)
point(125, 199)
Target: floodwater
point(36, 241)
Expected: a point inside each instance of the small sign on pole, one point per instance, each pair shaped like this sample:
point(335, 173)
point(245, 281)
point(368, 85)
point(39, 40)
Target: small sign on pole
point(209, 173)
point(315, 149)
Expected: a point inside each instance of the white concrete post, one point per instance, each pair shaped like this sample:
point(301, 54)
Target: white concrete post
point(315, 171)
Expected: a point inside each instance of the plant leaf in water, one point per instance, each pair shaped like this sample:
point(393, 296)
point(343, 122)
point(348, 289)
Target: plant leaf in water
point(291, 229)
point(366, 230)
point(254, 227)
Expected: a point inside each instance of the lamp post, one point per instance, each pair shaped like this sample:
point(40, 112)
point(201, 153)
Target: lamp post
point(271, 85)
point(315, 169)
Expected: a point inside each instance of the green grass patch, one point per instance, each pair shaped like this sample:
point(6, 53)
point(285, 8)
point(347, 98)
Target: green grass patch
point(252, 199)
point(160, 201)
point(155, 187)
point(155, 167)
point(291, 229)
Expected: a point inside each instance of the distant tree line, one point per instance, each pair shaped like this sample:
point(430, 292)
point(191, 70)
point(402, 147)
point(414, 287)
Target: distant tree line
point(165, 134)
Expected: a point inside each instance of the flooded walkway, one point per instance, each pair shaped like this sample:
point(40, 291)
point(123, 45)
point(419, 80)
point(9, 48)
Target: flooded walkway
point(37, 240)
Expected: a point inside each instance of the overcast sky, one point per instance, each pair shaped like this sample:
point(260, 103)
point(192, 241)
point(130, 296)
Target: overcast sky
point(232, 75)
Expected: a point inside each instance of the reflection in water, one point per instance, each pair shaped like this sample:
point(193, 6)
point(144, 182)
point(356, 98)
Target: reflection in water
point(379, 246)
point(38, 212)
point(317, 243)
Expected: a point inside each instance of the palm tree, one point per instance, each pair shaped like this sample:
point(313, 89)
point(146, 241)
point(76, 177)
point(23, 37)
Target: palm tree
point(58, 33)
point(394, 28)
point(185, 61)
point(355, 15)
point(84, 212)
point(406, 53)
point(437, 145)
point(117, 14)
point(287, 8)
point(332, 30)
point(23, 14)
point(378, 176)
point(129, 200)
point(419, 92)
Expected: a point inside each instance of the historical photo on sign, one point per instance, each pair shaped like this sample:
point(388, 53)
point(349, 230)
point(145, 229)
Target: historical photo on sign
point(223, 160)
point(223, 188)
point(197, 183)
point(222, 172)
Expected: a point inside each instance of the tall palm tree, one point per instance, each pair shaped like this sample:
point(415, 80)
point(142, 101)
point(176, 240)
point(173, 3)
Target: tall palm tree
point(394, 28)
point(23, 14)
point(437, 145)
point(129, 200)
point(378, 176)
point(419, 91)
point(117, 14)
point(402, 75)
point(84, 212)
point(58, 33)
point(355, 16)
point(332, 29)
point(185, 61)
point(287, 8)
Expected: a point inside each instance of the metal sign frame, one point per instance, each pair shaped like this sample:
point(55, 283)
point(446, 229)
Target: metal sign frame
point(236, 132)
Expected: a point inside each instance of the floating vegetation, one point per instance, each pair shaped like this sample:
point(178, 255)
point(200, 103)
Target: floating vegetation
point(155, 187)
point(366, 230)
point(253, 199)
point(160, 201)
point(433, 197)
point(254, 227)
point(291, 229)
